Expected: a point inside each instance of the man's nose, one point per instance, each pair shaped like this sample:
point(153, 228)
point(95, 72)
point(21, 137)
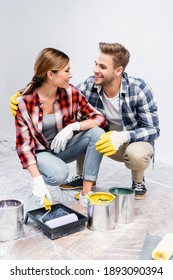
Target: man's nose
point(96, 69)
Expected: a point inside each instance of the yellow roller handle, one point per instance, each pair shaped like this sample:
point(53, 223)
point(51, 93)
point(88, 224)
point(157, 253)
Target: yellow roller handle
point(47, 203)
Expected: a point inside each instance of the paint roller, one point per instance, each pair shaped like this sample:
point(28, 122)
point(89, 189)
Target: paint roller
point(164, 249)
point(63, 220)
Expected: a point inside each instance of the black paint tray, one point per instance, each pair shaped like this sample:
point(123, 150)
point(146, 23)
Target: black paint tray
point(57, 210)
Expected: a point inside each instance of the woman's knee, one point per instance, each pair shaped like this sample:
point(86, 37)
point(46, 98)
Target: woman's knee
point(53, 169)
point(57, 176)
point(96, 132)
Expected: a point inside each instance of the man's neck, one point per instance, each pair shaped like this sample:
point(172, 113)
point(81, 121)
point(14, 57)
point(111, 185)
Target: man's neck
point(113, 88)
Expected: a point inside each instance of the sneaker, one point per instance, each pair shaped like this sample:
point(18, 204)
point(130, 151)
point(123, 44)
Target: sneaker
point(140, 189)
point(74, 183)
point(83, 199)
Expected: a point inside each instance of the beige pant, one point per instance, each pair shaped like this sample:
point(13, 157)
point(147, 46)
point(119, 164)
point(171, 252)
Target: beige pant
point(136, 157)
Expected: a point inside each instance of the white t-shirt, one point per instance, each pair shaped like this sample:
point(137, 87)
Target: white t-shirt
point(112, 111)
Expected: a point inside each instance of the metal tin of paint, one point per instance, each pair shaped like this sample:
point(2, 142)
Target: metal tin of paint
point(124, 204)
point(11, 219)
point(101, 211)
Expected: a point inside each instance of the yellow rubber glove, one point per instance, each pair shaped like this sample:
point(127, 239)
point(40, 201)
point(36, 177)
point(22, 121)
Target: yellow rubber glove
point(14, 103)
point(47, 203)
point(105, 145)
point(110, 142)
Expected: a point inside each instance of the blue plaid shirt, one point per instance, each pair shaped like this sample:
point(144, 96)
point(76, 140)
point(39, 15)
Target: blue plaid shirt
point(138, 108)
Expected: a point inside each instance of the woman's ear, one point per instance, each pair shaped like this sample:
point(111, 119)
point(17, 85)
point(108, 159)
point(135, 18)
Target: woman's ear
point(49, 74)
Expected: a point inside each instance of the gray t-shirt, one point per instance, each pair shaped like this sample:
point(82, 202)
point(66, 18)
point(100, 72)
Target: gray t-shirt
point(49, 128)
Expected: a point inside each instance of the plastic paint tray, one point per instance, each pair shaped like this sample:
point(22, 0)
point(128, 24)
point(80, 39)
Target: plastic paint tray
point(57, 210)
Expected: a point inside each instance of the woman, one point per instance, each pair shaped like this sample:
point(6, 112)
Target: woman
point(55, 125)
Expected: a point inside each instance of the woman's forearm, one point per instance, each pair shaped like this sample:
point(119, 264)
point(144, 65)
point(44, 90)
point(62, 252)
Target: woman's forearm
point(84, 125)
point(33, 170)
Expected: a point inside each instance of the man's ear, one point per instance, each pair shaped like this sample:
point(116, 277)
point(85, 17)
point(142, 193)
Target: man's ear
point(119, 70)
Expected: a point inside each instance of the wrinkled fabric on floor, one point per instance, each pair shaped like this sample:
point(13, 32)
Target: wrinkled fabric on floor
point(153, 215)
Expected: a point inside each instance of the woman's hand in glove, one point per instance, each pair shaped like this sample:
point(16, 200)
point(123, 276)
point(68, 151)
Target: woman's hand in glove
point(40, 190)
point(64, 136)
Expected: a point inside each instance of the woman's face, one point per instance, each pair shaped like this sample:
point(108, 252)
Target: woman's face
point(61, 79)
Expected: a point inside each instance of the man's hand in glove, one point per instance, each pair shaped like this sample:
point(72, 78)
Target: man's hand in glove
point(110, 142)
point(40, 190)
point(64, 136)
point(14, 103)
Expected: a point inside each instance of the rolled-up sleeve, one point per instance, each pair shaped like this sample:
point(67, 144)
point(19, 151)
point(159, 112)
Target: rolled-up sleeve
point(87, 111)
point(24, 142)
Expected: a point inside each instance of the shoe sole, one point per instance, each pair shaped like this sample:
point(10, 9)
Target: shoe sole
point(65, 187)
point(70, 187)
point(140, 196)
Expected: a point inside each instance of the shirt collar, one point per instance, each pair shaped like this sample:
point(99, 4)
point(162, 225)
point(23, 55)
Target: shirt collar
point(98, 89)
point(123, 87)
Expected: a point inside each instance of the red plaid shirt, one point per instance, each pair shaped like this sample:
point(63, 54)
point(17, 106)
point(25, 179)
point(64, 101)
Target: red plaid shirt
point(70, 106)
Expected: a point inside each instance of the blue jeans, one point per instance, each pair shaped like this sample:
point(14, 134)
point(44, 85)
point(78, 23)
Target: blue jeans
point(53, 167)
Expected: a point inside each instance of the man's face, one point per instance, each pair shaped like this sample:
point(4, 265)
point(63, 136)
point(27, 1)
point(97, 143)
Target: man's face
point(104, 71)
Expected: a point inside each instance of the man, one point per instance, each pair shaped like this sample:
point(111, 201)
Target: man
point(131, 112)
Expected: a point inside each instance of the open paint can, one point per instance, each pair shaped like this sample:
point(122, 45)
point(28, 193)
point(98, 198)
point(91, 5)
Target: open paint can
point(101, 211)
point(124, 204)
point(11, 219)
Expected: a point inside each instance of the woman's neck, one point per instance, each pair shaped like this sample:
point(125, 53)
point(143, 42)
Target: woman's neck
point(47, 92)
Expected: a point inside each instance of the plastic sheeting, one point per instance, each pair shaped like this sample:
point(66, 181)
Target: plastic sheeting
point(153, 215)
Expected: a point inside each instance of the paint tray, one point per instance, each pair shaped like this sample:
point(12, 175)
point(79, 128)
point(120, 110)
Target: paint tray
point(57, 210)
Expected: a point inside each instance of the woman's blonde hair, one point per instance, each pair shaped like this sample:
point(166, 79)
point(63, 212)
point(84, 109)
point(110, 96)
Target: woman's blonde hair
point(48, 59)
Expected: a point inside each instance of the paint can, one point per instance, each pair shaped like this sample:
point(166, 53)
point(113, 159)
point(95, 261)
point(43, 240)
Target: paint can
point(124, 204)
point(101, 211)
point(11, 219)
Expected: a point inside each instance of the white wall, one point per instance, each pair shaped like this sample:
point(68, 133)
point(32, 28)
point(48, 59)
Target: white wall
point(76, 27)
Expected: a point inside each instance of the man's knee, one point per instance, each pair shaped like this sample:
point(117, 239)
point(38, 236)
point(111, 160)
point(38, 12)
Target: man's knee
point(138, 155)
